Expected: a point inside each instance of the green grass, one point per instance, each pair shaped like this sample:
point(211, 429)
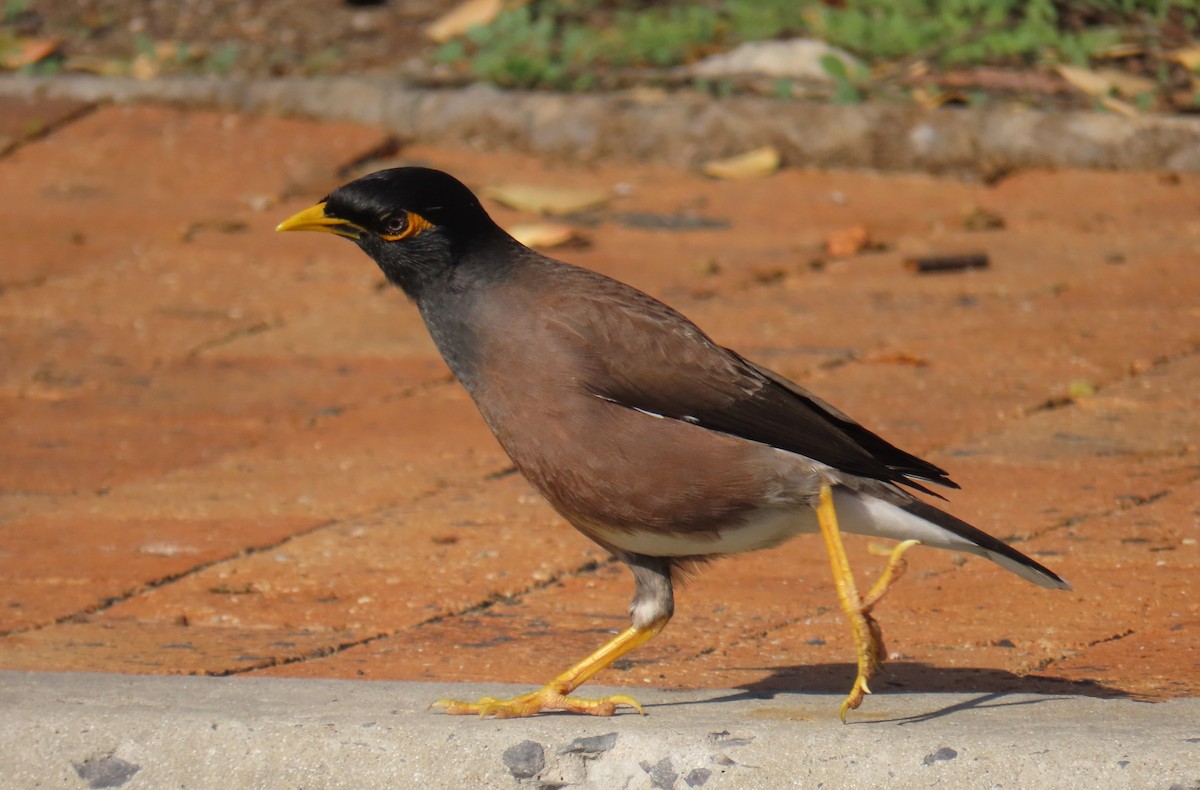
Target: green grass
point(561, 44)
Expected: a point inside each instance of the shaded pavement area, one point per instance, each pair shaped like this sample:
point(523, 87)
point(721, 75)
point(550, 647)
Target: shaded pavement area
point(226, 451)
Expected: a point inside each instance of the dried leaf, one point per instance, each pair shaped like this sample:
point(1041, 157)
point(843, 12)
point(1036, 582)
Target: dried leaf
point(547, 235)
point(178, 52)
point(1081, 388)
point(844, 242)
point(1127, 85)
point(753, 164)
point(144, 67)
point(90, 64)
point(897, 358)
point(983, 219)
point(462, 18)
point(1086, 80)
point(1101, 85)
point(1120, 50)
point(218, 225)
point(1188, 57)
point(554, 201)
point(1118, 106)
point(932, 99)
point(27, 51)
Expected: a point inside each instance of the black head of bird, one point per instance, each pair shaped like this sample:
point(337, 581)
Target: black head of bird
point(414, 222)
point(657, 443)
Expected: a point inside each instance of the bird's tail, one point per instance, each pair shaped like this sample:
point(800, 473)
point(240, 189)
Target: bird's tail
point(863, 514)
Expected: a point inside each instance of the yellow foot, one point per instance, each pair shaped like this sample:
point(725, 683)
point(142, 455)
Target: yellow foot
point(868, 643)
point(545, 698)
point(855, 697)
point(554, 695)
point(868, 637)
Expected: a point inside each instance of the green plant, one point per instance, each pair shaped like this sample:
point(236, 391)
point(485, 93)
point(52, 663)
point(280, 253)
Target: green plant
point(322, 62)
point(47, 67)
point(665, 37)
point(567, 43)
point(755, 20)
point(516, 50)
point(144, 45)
point(845, 91)
point(956, 32)
point(14, 8)
point(223, 59)
point(557, 44)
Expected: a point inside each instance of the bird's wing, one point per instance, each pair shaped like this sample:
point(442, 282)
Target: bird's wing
point(641, 354)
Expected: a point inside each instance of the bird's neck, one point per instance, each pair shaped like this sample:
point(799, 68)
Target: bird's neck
point(451, 303)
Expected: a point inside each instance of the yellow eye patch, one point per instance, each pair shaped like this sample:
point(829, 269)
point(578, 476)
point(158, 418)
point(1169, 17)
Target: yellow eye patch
point(410, 224)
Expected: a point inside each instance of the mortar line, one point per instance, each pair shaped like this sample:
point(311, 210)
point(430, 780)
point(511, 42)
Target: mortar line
point(111, 601)
point(79, 113)
point(1045, 663)
point(1159, 362)
point(591, 566)
point(154, 584)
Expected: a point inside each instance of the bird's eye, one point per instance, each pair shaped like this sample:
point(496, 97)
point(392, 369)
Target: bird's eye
point(403, 225)
point(396, 225)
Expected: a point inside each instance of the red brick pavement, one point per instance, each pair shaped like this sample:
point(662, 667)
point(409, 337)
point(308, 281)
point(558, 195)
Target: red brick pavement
point(228, 451)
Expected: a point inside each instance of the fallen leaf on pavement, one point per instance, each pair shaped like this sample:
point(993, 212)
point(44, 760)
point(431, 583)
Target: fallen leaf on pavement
point(983, 219)
point(554, 201)
point(545, 236)
point(897, 358)
point(753, 164)
point(844, 242)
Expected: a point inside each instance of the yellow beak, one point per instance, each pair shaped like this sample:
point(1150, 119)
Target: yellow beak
point(315, 219)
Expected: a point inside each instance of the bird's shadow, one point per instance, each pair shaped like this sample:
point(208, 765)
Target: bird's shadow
point(991, 687)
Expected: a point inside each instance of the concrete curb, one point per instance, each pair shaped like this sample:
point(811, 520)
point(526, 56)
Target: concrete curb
point(683, 128)
point(76, 730)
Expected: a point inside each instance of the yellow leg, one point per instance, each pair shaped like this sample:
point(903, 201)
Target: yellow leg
point(868, 638)
point(554, 695)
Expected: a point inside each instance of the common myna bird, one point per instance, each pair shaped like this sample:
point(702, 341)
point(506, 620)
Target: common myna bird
point(660, 445)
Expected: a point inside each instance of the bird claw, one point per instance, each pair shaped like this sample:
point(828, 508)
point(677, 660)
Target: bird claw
point(544, 699)
point(854, 698)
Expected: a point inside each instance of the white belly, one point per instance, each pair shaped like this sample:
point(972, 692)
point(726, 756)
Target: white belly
point(772, 526)
point(766, 528)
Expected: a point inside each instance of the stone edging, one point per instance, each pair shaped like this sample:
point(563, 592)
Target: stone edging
point(684, 128)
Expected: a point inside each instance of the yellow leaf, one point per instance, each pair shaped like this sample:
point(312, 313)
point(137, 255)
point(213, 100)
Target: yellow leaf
point(555, 201)
point(105, 67)
point(934, 99)
point(1086, 80)
point(547, 235)
point(753, 164)
point(462, 18)
point(1118, 106)
point(1128, 86)
point(1188, 57)
point(144, 67)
